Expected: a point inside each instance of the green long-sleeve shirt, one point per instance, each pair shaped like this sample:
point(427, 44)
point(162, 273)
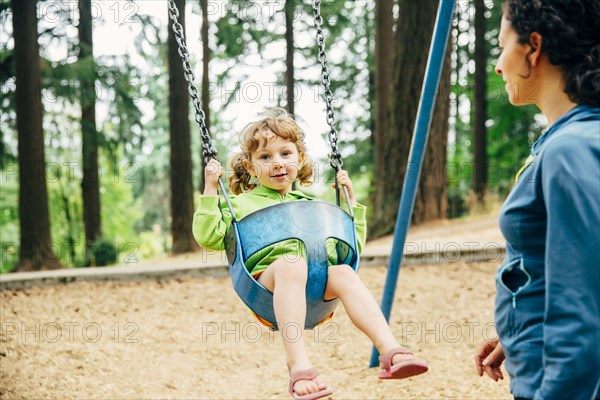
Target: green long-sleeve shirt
point(211, 225)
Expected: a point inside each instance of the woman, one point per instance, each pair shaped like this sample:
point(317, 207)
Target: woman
point(548, 288)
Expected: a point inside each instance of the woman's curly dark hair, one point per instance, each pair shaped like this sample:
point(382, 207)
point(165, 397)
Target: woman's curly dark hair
point(571, 39)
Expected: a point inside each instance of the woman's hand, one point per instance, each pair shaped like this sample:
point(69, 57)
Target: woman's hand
point(212, 172)
point(489, 358)
point(344, 179)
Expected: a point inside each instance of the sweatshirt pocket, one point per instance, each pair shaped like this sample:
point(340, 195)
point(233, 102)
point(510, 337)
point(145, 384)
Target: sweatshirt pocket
point(514, 278)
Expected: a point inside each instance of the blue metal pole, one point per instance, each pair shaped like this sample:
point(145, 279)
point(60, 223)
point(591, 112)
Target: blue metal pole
point(417, 152)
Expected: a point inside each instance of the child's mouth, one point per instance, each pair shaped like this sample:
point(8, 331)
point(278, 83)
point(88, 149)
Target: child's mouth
point(278, 176)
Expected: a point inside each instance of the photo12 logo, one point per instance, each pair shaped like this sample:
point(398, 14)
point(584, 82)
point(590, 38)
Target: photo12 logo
point(253, 332)
point(54, 332)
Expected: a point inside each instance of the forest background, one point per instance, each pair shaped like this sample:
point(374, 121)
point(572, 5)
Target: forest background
point(100, 153)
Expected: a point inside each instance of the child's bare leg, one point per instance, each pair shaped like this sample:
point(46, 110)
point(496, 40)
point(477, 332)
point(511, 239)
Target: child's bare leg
point(363, 310)
point(287, 281)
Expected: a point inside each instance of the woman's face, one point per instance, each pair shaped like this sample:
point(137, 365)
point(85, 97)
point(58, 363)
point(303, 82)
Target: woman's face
point(513, 66)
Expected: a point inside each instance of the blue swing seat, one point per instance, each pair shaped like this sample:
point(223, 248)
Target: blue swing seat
point(311, 222)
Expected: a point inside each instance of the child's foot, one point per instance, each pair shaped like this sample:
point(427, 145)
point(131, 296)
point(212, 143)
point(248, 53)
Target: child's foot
point(400, 363)
point(400, 357)
point(306, 384)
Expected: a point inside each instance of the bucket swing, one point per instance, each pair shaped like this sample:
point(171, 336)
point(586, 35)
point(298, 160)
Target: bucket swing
point(311, 222)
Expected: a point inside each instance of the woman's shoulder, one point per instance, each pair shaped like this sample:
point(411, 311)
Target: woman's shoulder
point(574, 151)
point(582, 126)
point(580, 133)
point(575, 139)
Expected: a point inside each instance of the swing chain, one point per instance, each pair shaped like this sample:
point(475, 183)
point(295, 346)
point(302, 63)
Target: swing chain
point(208, 149)
point(335, 157)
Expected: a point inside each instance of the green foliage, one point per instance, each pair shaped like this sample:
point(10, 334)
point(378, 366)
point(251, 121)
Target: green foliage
point(102, 252)
point(510, 136)
point(9, 217)
point(119, 210)
point(119, 213)
point(4, 5)
point(66, 213)
point(134, 136)
point(510, 130)
point(240, 31)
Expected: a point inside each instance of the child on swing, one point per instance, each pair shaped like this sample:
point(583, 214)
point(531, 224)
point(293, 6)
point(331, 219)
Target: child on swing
point(273, 157)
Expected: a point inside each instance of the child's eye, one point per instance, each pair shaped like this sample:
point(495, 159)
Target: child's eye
point(286, 153)
point(264, 157)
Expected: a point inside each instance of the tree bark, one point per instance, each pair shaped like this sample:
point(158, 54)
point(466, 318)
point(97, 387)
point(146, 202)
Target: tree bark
point(206, 55)
point(90, 185)
point(480, 105)
point(289, 57)
point(412, 41)
point(36, 252)
point(431, 202)
point(180, 142)
point(384, 23)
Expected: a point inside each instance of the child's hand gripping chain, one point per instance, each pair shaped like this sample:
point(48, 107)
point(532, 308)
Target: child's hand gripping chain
point(212, 173)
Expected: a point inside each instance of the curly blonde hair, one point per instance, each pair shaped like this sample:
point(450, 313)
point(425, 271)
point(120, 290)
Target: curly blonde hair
point(255, 134)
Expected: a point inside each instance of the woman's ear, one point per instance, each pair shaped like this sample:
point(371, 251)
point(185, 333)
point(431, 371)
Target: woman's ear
point(535, 41)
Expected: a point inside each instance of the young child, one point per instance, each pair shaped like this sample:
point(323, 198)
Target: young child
point(273, 157)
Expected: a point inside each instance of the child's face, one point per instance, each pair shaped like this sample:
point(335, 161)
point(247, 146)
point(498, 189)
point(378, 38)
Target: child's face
point(276, 164)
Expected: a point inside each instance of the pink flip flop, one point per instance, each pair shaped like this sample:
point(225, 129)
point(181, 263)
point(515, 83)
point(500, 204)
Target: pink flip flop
point(308, 375)
point(403, 369)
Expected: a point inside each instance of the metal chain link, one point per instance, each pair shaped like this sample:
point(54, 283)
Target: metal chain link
point(335, 157)
point(208, 149)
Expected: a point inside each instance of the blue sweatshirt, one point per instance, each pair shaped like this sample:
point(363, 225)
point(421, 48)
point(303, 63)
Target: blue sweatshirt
point(548, 288)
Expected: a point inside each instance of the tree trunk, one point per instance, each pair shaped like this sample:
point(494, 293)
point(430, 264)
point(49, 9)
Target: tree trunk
point(412, 41)
point(368, 17)
point(384, 22)
point(289, 57)
point(181, 158)
point(90, 185)
point(480, 105)
point(36, 252)
point(431, 202)
point(205, 79)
